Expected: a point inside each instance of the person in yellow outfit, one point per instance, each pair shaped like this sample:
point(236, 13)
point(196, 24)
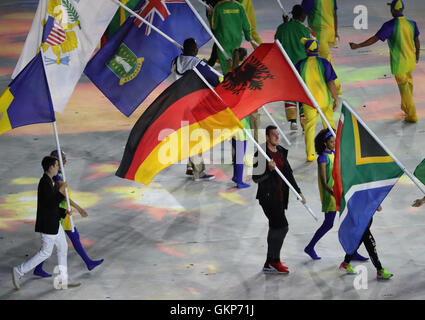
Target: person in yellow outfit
point(403, 40)
point(323, 20)
point(319, 77)
point(250, 14)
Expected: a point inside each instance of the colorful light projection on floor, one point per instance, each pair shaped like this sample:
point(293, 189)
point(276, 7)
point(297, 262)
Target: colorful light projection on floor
point(153, 200)
point(21, 207)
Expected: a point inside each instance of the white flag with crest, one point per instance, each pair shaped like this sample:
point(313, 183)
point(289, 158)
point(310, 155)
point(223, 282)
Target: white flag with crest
point(67, 32)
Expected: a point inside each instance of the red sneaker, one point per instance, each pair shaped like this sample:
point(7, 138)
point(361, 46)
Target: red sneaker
point(275, 267)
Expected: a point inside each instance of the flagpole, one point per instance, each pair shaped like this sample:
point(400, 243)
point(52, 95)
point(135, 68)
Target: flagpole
point(402, 167)
point(148, 23)
point(207, 29)
point(275, 123)
point(281, 6)
point(55, 129)
point(307, 91)
point(159, 31)
point(205, 4)
point(259, 147)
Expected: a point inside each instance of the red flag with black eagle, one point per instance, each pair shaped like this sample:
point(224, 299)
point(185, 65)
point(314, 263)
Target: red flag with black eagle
point(264, 77)
point(163, 134)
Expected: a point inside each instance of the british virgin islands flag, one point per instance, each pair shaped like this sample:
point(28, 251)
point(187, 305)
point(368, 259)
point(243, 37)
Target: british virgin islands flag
point(137, 59)
point(364, 174)
point(27, 98)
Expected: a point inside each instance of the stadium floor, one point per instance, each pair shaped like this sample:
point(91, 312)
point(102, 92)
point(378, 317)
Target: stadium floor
point(179, 239)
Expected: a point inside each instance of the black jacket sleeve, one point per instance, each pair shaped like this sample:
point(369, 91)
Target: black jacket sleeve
point(261, 170)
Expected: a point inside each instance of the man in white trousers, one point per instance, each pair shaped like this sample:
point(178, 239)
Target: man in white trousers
point(49, 195)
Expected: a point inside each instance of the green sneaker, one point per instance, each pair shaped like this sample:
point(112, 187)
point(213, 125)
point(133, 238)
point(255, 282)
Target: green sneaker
point(383, 275)
point(347, 268)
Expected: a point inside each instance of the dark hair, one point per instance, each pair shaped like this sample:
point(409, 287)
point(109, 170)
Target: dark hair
point(47, 162)
point(55, 153)
point(297, 11)
point(320, 140)
point(190, 47)
point(242, 53)
point(270, 128)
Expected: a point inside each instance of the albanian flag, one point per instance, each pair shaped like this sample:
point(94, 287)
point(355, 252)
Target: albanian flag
point(185, 120)
point(265, 76)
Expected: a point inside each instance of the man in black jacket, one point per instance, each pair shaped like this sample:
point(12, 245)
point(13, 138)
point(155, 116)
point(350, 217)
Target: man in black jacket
point(273, 194)
point(49, 195)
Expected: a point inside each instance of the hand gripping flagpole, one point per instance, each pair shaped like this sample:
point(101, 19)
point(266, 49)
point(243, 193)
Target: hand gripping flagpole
point(63, 173)
point(207, 28)
point(307, 91)
point(259, 148)
point(402, 167)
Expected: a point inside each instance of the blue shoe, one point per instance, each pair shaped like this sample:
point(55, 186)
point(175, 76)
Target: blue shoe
point(242, 185)
point(41, 273)
point(312, 253)
point(358, 257)
point(93, 264)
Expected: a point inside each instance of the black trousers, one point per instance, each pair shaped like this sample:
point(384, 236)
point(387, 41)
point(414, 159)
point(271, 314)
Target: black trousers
point(370, 244)
point(278, 228)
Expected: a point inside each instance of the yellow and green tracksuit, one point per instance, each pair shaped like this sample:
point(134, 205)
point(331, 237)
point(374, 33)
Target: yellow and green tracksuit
point(321, 19)
point(316, 73)
point(328, 200)
point(401, 33)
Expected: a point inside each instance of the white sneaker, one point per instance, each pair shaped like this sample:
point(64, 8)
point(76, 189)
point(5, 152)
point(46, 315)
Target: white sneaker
point(16, 278)
point(294, 126)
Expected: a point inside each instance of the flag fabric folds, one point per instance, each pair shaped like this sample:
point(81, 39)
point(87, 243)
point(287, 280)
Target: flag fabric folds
point(420, 172)
point(119, 18)
point(27, 99)
point(137, 59)
point(66, 32)
point(185, 120)
point(265, 76)
point(363, 176)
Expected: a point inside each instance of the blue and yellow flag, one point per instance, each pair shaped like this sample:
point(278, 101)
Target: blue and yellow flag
point(137, 59)
point(27, 98)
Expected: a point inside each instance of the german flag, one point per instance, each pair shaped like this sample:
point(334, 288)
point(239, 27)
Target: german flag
point(185, 120)
point(264, 77)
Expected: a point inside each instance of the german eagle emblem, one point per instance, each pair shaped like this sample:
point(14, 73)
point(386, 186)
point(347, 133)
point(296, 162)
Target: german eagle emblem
point(251, 75)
